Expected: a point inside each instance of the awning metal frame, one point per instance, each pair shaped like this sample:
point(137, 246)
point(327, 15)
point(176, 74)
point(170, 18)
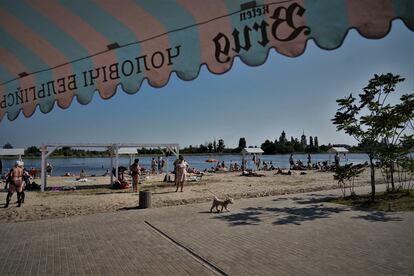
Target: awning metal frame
point(48, 149)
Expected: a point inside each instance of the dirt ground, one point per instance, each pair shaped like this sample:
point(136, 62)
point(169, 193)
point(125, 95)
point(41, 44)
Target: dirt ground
point(95, 196)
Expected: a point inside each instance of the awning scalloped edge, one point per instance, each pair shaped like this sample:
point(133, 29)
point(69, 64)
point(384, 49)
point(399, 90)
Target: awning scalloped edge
point(46, 107)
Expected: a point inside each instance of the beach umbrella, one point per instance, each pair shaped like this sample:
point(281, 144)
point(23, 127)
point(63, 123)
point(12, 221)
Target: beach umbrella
point(54, 51)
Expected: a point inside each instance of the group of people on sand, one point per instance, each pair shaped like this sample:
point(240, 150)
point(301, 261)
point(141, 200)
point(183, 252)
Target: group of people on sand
point(220, 167)
point(320, 166)
point(235, 167)
point(158, 166)
point(298, 165)
point(181, 169)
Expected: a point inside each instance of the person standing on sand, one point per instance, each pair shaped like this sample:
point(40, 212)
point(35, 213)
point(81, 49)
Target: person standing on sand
point(135, 170)
point(180, 173)
point(291, 161)
point(49, 169)
point(309, 161)
point(153, 166)
point(159, 164)
point(244, 164)
point(337, 160)
point(16, 184)
point(163, 162)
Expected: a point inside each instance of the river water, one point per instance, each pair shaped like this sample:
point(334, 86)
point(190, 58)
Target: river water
point(97, 166)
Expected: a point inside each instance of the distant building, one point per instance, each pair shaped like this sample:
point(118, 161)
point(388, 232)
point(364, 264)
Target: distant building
point(342, 145)
point(282, 138)
point(303, 140)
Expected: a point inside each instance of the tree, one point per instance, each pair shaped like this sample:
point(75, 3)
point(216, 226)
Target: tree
point(210, 147)
point(33, 151)
point(242, 143)
point(220, 145)
point(7, 146)
point(298, 147)
point(346, 177)
point(373, 119)
point(393, 121)
point(214, 146)
point(268, 147)
point(202, 149)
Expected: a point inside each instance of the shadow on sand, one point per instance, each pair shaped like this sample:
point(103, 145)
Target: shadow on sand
point(377, 216)
point(313, 200)
point(161, 193)
point(302, 210)
point(128, 208)
point(284, 215)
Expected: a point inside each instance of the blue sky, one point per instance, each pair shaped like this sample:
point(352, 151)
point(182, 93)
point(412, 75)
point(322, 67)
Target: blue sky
point(291, 94)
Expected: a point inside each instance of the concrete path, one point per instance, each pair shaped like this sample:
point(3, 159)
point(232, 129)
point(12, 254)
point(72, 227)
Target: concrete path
point(284, 235)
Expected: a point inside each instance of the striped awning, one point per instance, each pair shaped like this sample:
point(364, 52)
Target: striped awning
point(52, 51)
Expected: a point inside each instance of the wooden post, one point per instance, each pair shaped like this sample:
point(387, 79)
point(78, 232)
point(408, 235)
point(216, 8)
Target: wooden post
point(43, 170)
point(111, 154)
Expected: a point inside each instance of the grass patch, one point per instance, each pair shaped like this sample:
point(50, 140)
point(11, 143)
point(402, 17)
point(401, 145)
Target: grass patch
point(385, 201)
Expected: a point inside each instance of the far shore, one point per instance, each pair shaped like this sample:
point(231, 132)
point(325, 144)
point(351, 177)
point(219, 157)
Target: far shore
point(163, 155)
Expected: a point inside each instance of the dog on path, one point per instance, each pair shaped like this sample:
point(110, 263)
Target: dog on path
point(223, 203)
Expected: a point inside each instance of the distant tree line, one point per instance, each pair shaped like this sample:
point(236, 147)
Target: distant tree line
point(67, 152)
point(213, 147)
point(279, 146)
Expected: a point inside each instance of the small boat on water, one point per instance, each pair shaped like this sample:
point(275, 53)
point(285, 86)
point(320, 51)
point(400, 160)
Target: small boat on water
point(211, 160)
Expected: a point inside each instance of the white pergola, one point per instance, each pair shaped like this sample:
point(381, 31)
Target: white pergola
point(115, 149)
point(338, 150)
point(335, 150)
point(12, 152)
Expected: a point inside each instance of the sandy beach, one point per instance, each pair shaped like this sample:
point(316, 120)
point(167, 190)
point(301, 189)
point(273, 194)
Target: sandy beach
point(94, 197)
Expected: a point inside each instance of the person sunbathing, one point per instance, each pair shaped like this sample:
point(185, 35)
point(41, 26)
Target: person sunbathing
point(82, 176)
point(221, 169)
point(298, 166)
point(251, 173)
point(279, 171)
point(193, 170)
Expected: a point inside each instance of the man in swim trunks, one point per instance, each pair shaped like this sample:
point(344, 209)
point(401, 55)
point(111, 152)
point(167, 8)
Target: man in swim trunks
point(135, 170)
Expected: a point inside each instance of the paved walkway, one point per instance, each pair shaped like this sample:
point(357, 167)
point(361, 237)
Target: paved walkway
point(284, 235)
